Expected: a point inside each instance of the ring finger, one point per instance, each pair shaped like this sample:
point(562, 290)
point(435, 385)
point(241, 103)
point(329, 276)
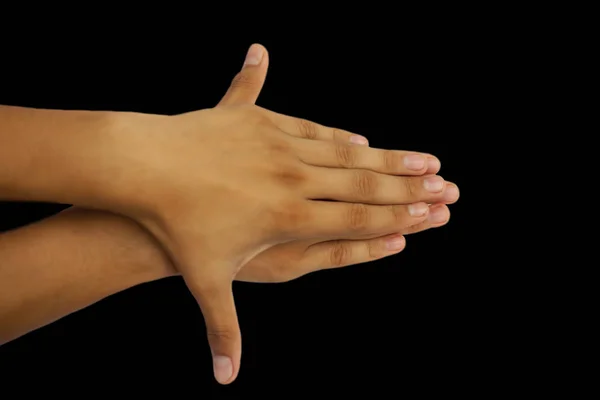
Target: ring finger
point(334, 220)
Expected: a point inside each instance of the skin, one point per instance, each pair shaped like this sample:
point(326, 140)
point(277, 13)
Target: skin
point(266, 206)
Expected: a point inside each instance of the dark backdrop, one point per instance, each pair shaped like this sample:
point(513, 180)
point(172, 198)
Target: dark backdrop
point(411, 321)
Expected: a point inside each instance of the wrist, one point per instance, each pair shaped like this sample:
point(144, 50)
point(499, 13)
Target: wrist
point(87, 158)
point(132, 250)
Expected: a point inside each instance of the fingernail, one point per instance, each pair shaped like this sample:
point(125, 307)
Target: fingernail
point(451, 193)
point(417, 210)
point(414, 162)
point(434, 184)
point(357, 139)
point(254, 56)
point(433, 165)
point(394, 243)
point(223, 368)
point(437, 215)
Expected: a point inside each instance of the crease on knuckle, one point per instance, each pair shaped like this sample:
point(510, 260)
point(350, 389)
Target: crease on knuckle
point(290, 176)
point(288, 217)
point(416, 228)
point(409, 188)
point(340, 253)
point(220, 333)
point(307, 129)
point(242, 80)
point(358, 217)
point(365, 184)
point(391, 160)
point(371, 250)
point(339, 135)
point(398, 215)
point(346, 156)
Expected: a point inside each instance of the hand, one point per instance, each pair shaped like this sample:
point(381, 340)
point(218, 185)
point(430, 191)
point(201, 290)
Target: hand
point(288, 261)
point(217, 187)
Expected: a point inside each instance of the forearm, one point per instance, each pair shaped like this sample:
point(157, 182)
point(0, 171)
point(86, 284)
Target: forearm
point(61, 156)
point(69, 261)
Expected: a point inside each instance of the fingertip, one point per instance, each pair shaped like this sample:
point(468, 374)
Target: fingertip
point(418, 209)
point(395, 243)
point(451, 193)
point(223, 369)
point(358, 139)
point(256, 55)
point(439, 214)
point(433, 165)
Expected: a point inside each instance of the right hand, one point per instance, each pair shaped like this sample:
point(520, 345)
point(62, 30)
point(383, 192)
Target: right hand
point(291, 260)
point(216, 187)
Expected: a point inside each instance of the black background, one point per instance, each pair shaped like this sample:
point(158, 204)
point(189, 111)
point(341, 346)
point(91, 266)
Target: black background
point(412, 321)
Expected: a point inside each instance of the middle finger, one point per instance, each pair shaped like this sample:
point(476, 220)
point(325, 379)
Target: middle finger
point(368, 187)
point(340, 155)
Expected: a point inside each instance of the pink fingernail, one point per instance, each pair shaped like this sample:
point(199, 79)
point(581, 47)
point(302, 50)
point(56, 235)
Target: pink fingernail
point(357, 139)
point(223, 368)
point(395, 243)
point(418, 209)
point(434, 184)
point(433, 165)
point(255, 55)
point(415, 162)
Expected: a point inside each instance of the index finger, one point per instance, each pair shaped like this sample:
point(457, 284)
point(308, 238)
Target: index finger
point(306, 129)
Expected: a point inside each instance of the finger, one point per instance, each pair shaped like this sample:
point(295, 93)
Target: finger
point(341, 253)
point(305, 129)
point(222, 328)
point(335, 220)
point(247, 84)
point(438, 216)
point(340, 155)
point(363, 186)
point(433, 165)
point(451, 194)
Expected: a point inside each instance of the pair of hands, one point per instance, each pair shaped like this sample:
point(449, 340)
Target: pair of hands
point(240, 192)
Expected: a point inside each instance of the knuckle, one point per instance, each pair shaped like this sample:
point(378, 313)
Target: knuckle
point(220, 333)
point(340, 253)
point(290, 176)
point(288, 217)
point(410, 191)
point(242, 80)
point(391, 160)
point(398, 214)
point(422, 226)
point(278, 150)
point(358, 217)
point(307, 129)
point(339, 135)
point(346, 155)
point(365, 183)
point(371, 250)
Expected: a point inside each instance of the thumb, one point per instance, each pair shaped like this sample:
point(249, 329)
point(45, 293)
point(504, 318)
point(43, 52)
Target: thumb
point(247, 84)
point(222, 328)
